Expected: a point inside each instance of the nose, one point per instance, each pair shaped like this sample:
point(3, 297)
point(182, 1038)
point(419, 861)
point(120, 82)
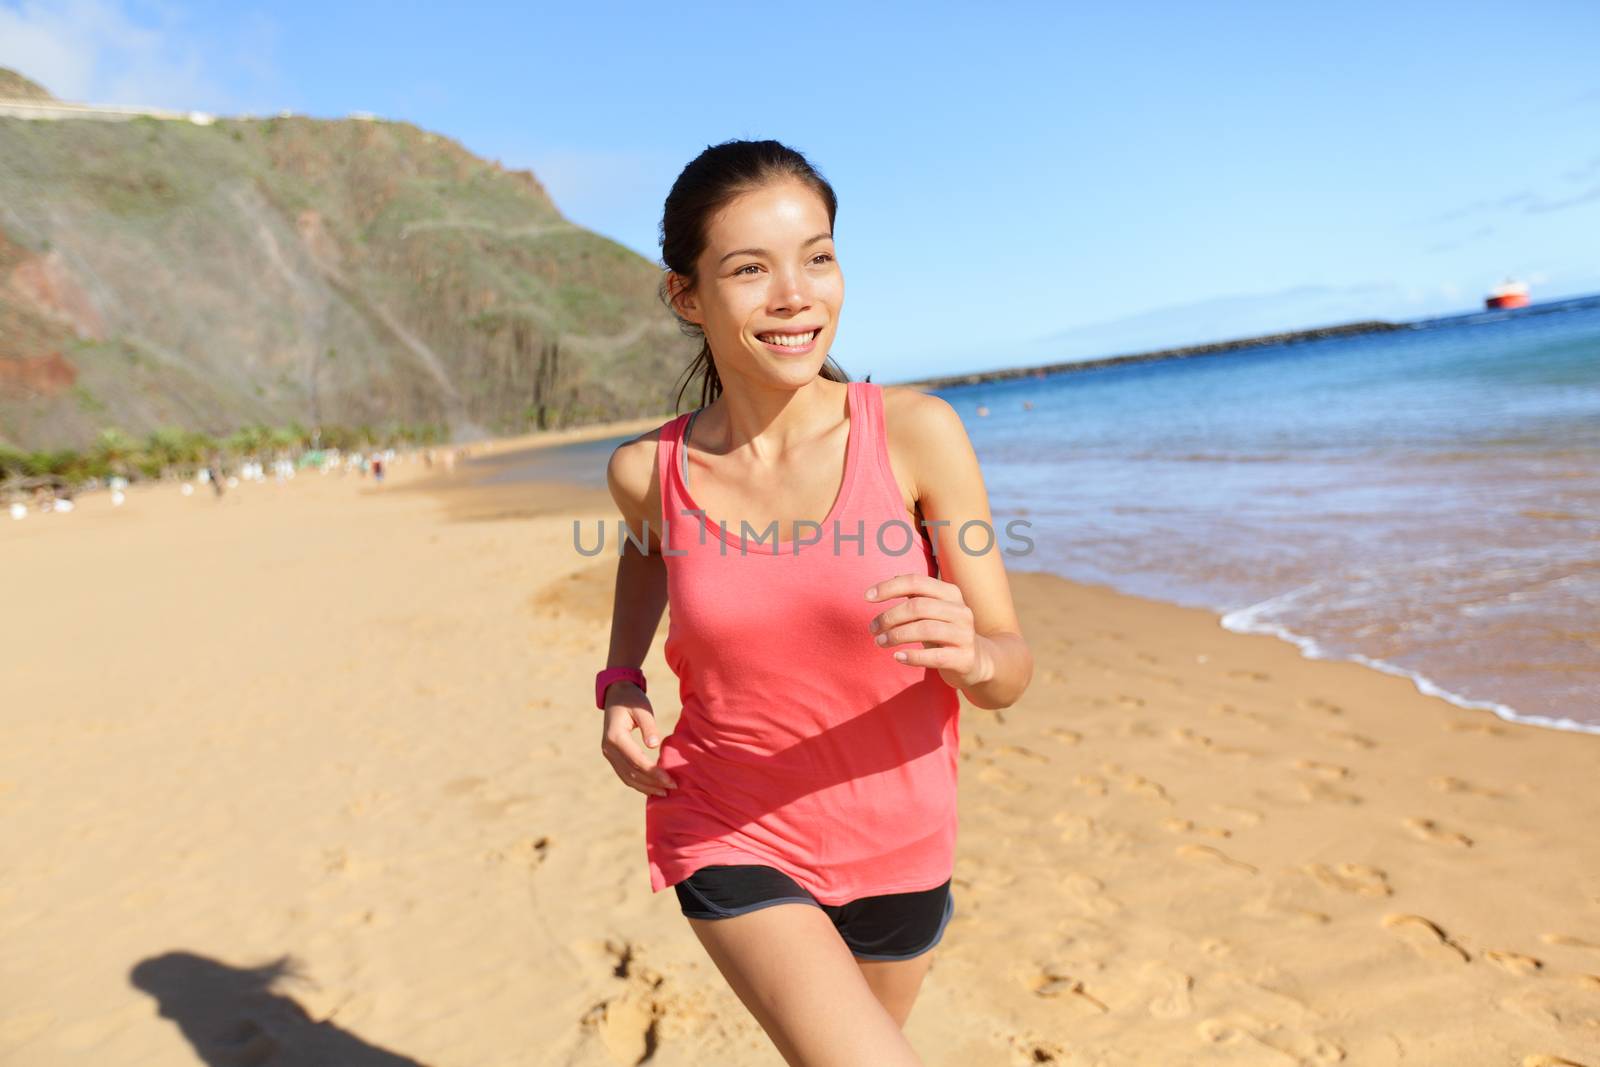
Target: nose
point(791, 291)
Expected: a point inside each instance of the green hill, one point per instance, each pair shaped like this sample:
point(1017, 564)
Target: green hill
point(340, 272)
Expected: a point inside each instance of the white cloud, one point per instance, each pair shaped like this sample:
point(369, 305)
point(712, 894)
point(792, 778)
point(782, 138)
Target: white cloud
point(96, 51)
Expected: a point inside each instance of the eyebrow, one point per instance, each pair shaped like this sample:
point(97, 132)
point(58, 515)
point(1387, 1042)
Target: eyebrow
point(764, 252)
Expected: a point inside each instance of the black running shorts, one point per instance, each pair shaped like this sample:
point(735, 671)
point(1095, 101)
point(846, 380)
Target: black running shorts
point(891, 926)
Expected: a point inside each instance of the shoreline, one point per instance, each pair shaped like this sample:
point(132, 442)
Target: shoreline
point(487, 501)
point(470, 501)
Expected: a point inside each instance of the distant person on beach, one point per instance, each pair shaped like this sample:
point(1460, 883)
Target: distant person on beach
point(804, 807)
point(377, 469)
point(214, 475)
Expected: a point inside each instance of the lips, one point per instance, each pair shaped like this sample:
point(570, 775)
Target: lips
point(789, 338)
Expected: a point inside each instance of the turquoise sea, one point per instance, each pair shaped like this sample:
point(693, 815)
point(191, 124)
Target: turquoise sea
point(1426, 501)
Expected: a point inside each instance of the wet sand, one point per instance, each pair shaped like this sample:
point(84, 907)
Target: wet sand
point(353, 726)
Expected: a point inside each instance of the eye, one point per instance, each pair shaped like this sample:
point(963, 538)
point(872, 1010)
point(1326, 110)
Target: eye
point(744, 268)
point(823, 255)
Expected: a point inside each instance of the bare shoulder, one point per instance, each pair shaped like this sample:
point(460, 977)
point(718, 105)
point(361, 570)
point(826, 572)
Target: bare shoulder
point(919, 413)
point(925, 434)
point(631, 475)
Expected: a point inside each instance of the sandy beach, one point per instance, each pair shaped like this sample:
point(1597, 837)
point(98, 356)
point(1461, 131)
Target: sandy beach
point(351, 727)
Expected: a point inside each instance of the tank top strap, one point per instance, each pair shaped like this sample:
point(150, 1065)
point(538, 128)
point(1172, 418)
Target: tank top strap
point(669, 447)
point(873, 456)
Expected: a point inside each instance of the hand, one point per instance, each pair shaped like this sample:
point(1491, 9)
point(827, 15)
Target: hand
point(936, 614)
point(627, 708)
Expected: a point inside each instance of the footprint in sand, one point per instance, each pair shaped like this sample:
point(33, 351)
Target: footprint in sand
point(628, 1025)
point(1327, 707)
point(1240, 1028)
point(1184, 735)
point(1329, 771)
point(1087, 894)
point(1515, 962)
point(1324, 793)
point(1075, 825)
point(1172, 999)
point(1356, 878)
point(1555, 1008)
point(1065, 736)
point(1428, 830)
point(1350, 738)
point(1030, 1049)
point(1092, 784)
point(1130, 701)
point(1138, 783)
point(529, 852)
point(1478, 726)
point(1266, 722)
point(1003, 778)
point(1049, 983)
point(1568, 941)
point(1540, 1059)
point(1025, 753)
point(1207, 854)
point(1426, 937)
point(1446, 783)
point(1189, 826)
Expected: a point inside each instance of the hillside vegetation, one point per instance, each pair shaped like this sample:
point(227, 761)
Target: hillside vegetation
point(296, 270)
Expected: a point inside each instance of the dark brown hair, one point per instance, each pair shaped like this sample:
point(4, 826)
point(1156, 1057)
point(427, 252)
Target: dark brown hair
point(709, 183)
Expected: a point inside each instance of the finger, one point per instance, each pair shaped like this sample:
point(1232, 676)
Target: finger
point(910, 584)
point(898, 585)
point(937, 630)
point(645, 785)
point(635, 778)
point(630, 754)
point(647, 726)
point(941, 657)
point(918, 607)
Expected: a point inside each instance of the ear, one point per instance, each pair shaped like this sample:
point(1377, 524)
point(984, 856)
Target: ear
point(683, 298)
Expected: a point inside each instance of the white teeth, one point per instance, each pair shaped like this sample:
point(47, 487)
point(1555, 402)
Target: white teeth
point(788, 340)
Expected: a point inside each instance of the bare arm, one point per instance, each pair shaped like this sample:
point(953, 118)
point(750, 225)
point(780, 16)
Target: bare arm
point(636, 607)
point(641, 588)
point(970, 632)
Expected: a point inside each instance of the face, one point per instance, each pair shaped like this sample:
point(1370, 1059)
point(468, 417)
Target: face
point(769, 289)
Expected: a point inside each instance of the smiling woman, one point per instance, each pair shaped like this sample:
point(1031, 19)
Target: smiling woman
point(803, 808)
point(701, 195)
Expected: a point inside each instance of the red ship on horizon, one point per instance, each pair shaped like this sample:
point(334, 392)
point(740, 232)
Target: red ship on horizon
point(1508, 295)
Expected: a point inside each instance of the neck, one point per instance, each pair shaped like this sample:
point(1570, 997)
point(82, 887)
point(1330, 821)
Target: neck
point(767, 421)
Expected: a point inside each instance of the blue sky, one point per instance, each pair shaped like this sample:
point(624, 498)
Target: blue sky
point(1018, 183)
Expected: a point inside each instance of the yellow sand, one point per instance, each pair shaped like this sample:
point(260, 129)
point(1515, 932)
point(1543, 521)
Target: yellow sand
point(325, 720)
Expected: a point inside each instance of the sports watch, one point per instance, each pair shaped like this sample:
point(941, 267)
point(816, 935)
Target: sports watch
point(603, 680)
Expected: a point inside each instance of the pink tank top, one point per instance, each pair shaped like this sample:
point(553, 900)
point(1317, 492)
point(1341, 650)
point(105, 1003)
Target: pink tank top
point(802, 744)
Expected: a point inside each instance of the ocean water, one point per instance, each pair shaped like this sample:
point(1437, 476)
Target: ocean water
point(1426, 501)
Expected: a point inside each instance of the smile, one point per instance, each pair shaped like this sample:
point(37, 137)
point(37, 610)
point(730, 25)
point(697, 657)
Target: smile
point(789, 342)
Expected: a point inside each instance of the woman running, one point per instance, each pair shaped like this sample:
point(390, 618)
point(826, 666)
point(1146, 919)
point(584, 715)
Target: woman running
point(827, 551)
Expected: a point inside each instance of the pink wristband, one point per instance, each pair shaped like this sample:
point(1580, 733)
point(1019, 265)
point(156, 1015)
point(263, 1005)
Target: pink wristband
point(603, 680)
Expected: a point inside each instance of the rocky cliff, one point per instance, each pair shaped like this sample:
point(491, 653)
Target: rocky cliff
point(212, 275)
